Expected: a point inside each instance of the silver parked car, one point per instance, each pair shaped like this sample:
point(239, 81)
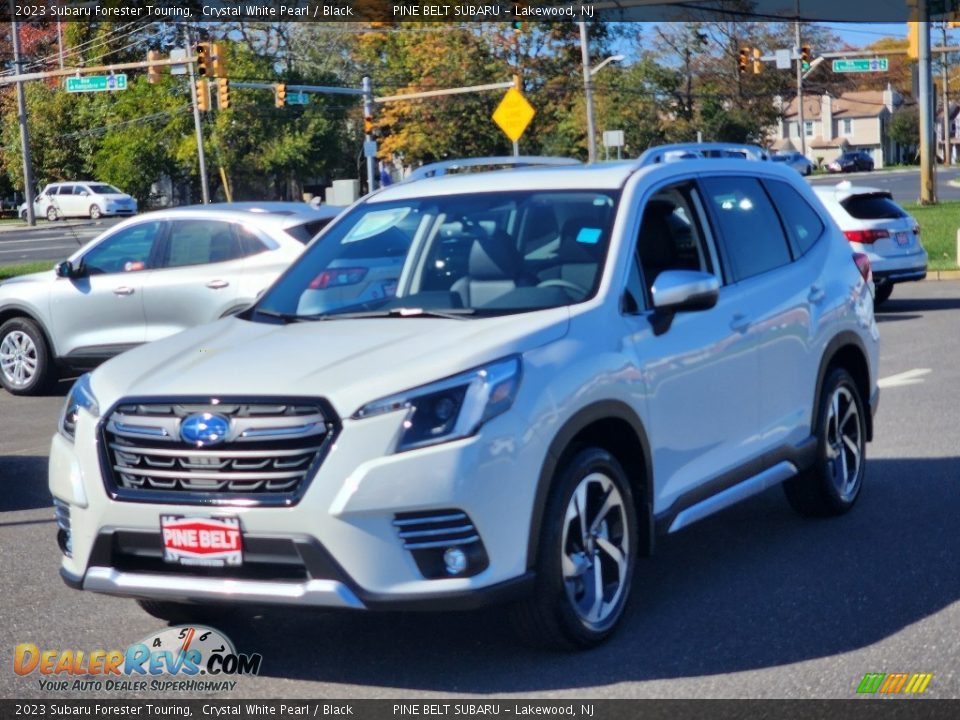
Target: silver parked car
point(798, 161)
point(144, 279)
point(882, 230)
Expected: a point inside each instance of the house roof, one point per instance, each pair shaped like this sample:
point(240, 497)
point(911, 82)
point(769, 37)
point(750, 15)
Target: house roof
point(865, 103)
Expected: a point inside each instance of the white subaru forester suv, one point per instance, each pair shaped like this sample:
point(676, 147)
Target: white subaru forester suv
point(562, 363)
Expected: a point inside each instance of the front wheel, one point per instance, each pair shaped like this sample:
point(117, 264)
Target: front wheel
point(585, 558)
point(25, 366)
point(95, 212)
point(52, 213)
point(833, 484)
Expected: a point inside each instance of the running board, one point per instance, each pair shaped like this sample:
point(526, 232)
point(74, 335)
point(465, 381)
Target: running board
point(741, 491)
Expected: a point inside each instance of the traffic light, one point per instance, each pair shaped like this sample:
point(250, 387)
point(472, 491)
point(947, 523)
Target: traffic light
point(223, 93)
point(203, 59)
point(805, 57)
point(203, 96)
point(219, 60)
point(153, 72)
point(913, 40)
point(280, 91)
point(757, 64)
point(744, 59)
point(368, 124)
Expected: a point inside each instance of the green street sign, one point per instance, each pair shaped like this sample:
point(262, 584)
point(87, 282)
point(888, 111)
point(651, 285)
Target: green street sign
point(97, 83)
point(861, 65)
point(298, 98)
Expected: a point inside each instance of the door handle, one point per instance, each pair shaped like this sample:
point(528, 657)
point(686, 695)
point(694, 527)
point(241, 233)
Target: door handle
point(123, 290)
point(217, 284)
point(817, 294)
point(740, 323)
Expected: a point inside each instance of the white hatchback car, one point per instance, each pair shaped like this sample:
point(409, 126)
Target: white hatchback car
point(876, 226)
point(569, 360)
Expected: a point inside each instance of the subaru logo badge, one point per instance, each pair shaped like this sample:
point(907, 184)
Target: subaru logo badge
point(204, 429)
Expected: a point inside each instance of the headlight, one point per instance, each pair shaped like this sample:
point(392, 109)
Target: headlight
point(453, 408)
point(80, 396)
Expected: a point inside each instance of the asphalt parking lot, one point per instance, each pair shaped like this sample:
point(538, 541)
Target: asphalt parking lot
point(752, 603)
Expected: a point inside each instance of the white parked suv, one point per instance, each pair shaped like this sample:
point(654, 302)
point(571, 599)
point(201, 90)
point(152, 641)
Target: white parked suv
point(565, 362)
point(80, 199)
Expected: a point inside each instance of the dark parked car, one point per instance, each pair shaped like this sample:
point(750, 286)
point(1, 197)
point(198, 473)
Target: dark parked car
point(853, 161)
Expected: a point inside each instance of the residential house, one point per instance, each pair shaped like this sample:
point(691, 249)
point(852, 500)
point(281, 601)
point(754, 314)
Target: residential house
point(831, 126)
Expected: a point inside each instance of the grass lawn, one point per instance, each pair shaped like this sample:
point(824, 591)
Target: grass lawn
point(9, 271)
point(938, 231)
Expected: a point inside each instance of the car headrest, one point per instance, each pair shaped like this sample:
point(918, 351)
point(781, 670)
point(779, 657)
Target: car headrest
point(494, 258)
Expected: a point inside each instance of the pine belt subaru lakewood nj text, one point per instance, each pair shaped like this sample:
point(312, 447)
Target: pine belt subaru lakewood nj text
point(493, 386)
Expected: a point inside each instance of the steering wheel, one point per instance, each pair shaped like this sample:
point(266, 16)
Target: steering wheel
point(565, 284)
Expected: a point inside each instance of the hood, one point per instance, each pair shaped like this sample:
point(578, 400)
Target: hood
point(44, 276)
point(349, 362)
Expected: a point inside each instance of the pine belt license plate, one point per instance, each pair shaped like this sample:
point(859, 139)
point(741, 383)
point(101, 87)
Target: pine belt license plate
point(206, 541)
point(903, 239)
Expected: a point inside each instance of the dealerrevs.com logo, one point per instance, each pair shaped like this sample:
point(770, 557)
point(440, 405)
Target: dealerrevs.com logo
point(188, 658)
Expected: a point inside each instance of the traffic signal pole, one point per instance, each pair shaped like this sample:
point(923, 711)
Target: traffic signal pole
point(368, 135)
point(928, 186)
point(197, 125)
point(22, 118)
point(801, 130)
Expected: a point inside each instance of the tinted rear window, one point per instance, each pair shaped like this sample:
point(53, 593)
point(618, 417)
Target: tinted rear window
point(304, 233)
point(872, 207)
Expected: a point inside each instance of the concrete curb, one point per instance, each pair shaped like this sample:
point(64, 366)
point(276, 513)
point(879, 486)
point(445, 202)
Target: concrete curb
point(934, 275)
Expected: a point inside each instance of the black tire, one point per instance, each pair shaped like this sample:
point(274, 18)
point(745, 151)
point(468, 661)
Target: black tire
point(32, 372)
point(95, 212)
point(52, 214)
point(552, 615)
point(833, 484)
point(882, 294)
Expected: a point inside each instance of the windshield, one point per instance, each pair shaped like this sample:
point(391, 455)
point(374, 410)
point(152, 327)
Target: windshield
point(456, 255)
point(102, 189)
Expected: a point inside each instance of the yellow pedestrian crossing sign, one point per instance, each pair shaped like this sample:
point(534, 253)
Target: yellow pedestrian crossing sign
point(514, 114)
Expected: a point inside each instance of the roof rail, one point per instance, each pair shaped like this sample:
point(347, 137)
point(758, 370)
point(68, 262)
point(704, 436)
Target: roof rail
point(690, 151)
point(445, 167)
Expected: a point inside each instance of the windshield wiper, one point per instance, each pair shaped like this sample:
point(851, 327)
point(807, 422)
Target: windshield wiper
point(401, 312)
point(286, 317)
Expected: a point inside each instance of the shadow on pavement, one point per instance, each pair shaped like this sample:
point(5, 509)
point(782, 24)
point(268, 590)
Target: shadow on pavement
point(916, 305)
point(753, 588)
point(16, 492)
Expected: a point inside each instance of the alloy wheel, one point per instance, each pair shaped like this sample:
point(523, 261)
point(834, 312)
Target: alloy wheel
point(844, 443)
point(596, 550)
point(18, 358)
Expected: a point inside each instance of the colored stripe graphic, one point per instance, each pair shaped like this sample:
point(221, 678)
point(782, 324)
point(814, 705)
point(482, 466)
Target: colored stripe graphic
point(894, 683)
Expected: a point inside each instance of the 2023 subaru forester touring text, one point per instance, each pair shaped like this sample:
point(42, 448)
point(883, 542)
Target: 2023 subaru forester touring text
point(543, 368)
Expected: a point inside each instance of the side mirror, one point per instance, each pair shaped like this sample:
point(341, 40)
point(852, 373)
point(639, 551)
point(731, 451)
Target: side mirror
point(65, 269)
point(676, 291)
point(84, 193)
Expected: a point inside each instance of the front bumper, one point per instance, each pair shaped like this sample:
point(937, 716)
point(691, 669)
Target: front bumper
point(341, 546)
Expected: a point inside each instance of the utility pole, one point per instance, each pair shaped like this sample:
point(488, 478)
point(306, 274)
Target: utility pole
point(945, 100)
point(198, 127)
point(801, 130)
point(22, 118)
point(367, 87)
point(928, 180)
point(588, 93)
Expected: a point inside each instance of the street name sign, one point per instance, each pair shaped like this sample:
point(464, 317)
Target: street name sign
point(861, 65)
point(298, 98)
point(97, 83)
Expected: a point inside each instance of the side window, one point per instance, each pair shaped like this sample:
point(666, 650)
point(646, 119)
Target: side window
point(251, 243)
point(802, 223)
point(65, 190)
point(748, 225)
point(128, 250)
point(199, 242)
point(670, 237)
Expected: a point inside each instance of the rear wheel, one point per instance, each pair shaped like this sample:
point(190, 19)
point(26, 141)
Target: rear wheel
point(52, 213)
point(585, 558)
point(832, 485)
point(882, 293)
point(25, 367)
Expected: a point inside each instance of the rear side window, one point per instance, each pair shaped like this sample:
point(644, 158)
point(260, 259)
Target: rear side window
point(305, 233)
point(877, 206)
point(198, 242)
point(749, 227)
point(802, 223)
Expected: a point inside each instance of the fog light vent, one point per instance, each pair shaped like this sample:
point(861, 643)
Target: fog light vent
point(64, 535)
point(444, 543)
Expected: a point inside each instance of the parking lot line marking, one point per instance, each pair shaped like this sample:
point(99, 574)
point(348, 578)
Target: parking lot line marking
point(910, 377)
